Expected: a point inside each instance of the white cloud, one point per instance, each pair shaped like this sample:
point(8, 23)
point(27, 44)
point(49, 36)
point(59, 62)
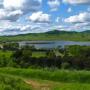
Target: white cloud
point(5, 24)
point(88, 9)
point(81, 18)
point(54, 4)
point(26, 27)
point(13, 4)
point(10, 28)
point(40, 17)
point(77, 1)
point(82, 24)
point(13, 9)
point(24, 5)
point(10, 15)
point(69, 10)
point(2, 13)
point(79, 27)
point(16, 12)
point(78, 22)
point(57, 19)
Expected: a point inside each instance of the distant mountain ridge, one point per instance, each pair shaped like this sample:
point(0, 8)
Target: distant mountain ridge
point(87, 31)
point(53, 32)
point(50, 35)
point(59, 32)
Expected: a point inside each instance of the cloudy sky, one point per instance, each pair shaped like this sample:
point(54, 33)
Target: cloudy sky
point(34, 16)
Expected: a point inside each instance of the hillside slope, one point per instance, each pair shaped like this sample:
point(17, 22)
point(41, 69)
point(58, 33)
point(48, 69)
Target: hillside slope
point(51, 35)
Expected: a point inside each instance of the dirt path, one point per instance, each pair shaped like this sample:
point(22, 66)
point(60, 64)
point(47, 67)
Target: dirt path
point(38, 86)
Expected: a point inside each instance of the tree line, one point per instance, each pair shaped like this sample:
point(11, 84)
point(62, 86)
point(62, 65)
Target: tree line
point(70, 57)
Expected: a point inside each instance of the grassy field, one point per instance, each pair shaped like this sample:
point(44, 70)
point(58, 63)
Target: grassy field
point(38, 79)
point(5, 53)
point(8, 82)
point(8, 54)
point(38, 54)
point(53, 75)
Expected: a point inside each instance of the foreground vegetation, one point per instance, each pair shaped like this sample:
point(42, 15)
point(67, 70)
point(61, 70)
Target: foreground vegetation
point(8, 82)
point(44, 79)
point(52, 35)
point(28, 68)
point(53, 75)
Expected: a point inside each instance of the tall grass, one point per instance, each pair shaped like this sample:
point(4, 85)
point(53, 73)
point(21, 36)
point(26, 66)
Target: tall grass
point(58, 75)
point(72, 86)
point(8, 82)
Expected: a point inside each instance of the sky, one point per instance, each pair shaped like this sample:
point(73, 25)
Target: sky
point(36, 16)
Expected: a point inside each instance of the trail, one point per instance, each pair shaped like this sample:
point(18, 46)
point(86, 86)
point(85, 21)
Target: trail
point(38, 86)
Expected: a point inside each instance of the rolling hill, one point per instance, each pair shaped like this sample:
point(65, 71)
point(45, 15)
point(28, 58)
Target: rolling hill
point(50, 35)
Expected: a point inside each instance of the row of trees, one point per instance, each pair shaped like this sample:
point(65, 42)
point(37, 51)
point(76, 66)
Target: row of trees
point(70, 57)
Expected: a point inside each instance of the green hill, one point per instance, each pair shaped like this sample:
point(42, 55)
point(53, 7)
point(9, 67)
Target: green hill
point(51, 35)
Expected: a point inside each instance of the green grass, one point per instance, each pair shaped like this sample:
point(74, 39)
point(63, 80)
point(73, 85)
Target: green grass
point(5, 58)
point(6, 54)
point(8, 82)
point(57, 75)
point(72, 86)
point(49, 79)
point(52, 85)
point(38, 54)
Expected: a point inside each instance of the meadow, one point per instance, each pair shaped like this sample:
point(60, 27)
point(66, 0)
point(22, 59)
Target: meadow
point(32, 79)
